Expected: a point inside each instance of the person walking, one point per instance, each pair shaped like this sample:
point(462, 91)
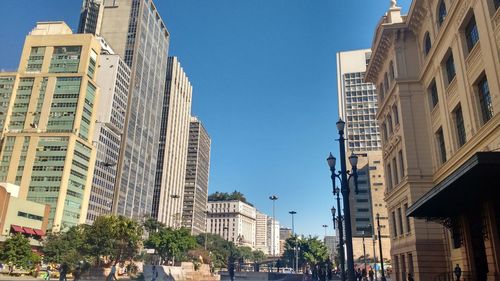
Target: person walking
point(48, 272)
point(458, 272)
point(359, 276)
point(63, 271)
point(410, 277)
point(371, 274)
point(154, 274)
point(112, 273)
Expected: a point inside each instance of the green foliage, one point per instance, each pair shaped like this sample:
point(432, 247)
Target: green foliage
point(17, 250)
point(312, 251)
point(152, 225)
point(171, 243)
point(258, 256)
point(219, 249)
point(224, 196)
point(114, 237)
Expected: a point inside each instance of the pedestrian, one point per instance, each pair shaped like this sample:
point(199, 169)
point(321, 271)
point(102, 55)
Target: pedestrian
point(63, 271)
point(11, 268)
point(410, 277)
point(37, 270)
point(363, 273)
point(154, 274)
point(48, 272)
point(358, 275)
point(231, 269)
point(112, 273)
point(458, 272)
point(77, 272)
point(371, 274)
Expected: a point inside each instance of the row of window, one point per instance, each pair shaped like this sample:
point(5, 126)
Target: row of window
point(400, 225)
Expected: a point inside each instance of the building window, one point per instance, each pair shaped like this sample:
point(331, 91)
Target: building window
point(391, 70)
point(441, 145)
point(381, 92)
point(394, 225)
point(389, 177)
point(386, 83)
point(433, 94)
point(459, 126)
point(408, 227)
point(400, 220)
point(383, 131)
point(389, 125)
point(485, 100)
point(427, 43)
point(401, 163)
point(450, 68)
point(395, 172)
point(395, 114)
point(471, 33)
point(441, 12)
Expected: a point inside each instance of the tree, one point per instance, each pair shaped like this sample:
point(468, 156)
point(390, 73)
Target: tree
point(219, 248)
point(152, 225)
point(312, 251)
point(67, 247)
point(17, 250)
point(258, 256)
point(224, 196)
point(171, 243)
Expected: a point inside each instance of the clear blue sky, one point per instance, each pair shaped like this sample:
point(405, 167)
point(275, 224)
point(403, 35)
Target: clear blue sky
point(264, 77)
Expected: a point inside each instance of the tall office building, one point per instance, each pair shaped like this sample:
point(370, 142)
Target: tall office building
point(261, 232)
point(173, 146)
point(233, 221)
point(48, 121)
point(197, 174)
point(113, 80)
point(91, 17)
point(136, 32)
point(439, 106)
point(358, 107)
point(273, 236)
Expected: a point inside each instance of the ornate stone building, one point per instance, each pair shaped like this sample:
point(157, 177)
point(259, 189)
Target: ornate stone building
point(437, 71)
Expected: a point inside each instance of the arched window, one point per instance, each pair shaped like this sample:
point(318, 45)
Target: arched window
point(391, 70)
point(441, 12)
point(427, 43)
point(381, 92)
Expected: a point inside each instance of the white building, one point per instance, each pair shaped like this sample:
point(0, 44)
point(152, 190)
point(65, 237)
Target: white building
point(233, 220)
point(261, 231)
point(273, 236)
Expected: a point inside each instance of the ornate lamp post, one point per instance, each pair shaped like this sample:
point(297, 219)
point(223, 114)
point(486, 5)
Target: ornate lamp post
point(341, 231)
point(380, 249)
point(295, 266)
point(344, 175)
point(273, 234)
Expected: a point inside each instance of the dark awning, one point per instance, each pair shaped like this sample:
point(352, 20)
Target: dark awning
point(29, 230)
point(39, 232)
point(474, 182)
point(17, 228)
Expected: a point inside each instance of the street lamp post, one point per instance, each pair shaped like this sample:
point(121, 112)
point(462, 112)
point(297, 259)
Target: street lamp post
point(380, 249)
point(336, 191)
point(206, 228)
point(325, 226)
point(293, 213)
point(372, 229)
point(343, 175)
point(273, 198)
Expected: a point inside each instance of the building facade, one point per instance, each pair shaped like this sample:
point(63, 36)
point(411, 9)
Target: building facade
point(273, 236)
point(113, 80)
point(197, 175)
point(261, 231)
point(91, 17)
point(21, 216)
point(136, 32)
point(233, 221)
point(173, 146)
point(48, 125)
point(438, 72)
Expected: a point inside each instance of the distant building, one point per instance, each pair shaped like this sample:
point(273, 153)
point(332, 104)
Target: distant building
point(21, 216)
point(48, 127)
point(261, 231)
point(285, 233)
point(173, 147)
point(273, 236)
point(233, 221)
point(113, 79)
point(197, 174)
point(91, 16)
point(332, 242)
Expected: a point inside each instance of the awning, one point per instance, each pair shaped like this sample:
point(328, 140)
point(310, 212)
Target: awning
point(29, 230)
point(17, 228)
point(39, 232)
point(476, 181)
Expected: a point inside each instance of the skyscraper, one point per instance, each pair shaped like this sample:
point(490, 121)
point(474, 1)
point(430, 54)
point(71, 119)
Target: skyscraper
point(358, 107)
point(173, 146)
point(261, 232)
point(136, 32)
point(197, 175)
point(91, 17)
point(113, 80)
point(48, 125)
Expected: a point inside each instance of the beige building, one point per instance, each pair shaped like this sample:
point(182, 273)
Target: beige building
point(438, 74)
point(48, 121)
point(21, 216)
point(173, 150)
point(233, 221)
point(261, 226)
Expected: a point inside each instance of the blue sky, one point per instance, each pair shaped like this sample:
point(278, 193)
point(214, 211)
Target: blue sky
point(264, 78)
